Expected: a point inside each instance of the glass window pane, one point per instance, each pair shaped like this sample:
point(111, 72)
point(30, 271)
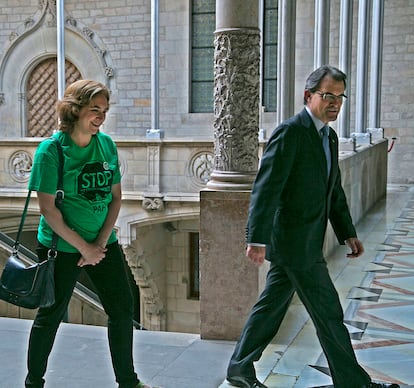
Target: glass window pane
point(270, 61)
point(205, 6)
point(270, 4)
point(202, 98)
point(203, 25)
point(270, 36)
point(270, 26)
point(203, 30)
point(269, 95)
point(202, 64)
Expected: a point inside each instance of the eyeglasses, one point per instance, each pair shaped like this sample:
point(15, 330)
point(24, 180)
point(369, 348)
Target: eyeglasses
point(331, 97)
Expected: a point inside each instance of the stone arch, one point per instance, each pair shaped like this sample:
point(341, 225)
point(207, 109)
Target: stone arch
point(34, 41)
point(153, 311)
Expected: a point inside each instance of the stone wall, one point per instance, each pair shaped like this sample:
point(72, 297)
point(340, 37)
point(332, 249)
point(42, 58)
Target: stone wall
point(123, 31)
point(397, 96)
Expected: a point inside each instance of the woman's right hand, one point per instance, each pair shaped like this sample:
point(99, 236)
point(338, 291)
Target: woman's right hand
point(91, 254)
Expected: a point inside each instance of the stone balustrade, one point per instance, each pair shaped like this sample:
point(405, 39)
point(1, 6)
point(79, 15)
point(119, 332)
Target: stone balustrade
point(162, 180)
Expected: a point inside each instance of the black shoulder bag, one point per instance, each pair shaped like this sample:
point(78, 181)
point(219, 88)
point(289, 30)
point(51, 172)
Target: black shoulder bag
point(34, 286)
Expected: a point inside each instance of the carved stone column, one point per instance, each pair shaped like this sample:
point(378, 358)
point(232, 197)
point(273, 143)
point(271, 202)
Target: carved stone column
point(236, 95)
point(229, 284)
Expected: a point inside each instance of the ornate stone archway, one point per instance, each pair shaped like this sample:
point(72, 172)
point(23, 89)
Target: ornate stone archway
point(33, 42)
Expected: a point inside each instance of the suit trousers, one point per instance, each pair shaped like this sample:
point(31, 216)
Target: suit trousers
point(320, 298)
point(112, 284)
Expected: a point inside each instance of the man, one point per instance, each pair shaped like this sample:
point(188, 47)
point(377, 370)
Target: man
point(296, 191)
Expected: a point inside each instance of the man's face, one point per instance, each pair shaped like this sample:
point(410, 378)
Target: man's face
point(326, 102)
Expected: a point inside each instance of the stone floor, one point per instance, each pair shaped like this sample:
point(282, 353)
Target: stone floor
point(377, 292)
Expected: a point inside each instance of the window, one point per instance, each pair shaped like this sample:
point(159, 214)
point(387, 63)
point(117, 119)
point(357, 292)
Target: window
point(202, 55)
point(269, 62)
point(203, 20)
point(42, 96)
point(194, 291)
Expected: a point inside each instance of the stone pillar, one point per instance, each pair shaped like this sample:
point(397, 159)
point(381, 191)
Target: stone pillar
point(236, 95)
point(321, 46)
point(345, 63)
point(374, 118)
point(286, 60)
point(362, 68)
point(228, 282)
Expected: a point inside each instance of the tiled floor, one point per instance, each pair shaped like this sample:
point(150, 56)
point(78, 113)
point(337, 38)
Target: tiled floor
point(377, 293)
point(380, 316)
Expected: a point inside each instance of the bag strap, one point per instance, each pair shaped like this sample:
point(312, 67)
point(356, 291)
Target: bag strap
point(60, 194)
point(19, 232)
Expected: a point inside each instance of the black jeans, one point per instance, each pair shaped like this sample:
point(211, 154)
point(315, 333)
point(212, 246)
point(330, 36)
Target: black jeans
point(111, 282)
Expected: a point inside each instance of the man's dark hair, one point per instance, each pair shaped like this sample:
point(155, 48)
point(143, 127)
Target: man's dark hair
point(313, 82)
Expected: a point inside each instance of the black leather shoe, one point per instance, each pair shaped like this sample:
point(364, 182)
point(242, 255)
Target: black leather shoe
point(242, 382)
point(382, 385)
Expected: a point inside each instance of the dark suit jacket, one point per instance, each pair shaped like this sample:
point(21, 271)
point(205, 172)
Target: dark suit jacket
point(292, 197)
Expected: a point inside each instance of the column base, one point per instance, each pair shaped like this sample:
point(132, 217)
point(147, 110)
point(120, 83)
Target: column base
point(231, 181)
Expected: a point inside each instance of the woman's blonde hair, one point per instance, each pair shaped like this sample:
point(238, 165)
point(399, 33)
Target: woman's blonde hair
point(77, 95)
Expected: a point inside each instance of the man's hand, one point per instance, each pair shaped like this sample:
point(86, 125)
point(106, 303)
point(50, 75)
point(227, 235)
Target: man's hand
point(256, 254)
point(357, 249)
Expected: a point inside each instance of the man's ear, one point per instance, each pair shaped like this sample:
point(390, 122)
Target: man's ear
point(306, 95)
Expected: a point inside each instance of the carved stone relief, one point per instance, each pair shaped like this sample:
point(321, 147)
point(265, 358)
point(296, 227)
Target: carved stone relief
point(153, 165)
point(20, 165)
point(236, 100)
point(33, 41)
point(153, 203)
point(201, 167)
point(152, 306)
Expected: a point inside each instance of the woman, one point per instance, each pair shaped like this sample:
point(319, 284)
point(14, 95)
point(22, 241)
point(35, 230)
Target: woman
point(87, 240)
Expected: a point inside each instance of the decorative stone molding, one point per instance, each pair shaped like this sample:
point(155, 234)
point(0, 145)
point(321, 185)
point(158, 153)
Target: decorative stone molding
point(13, 35)
point(46, 15)
point(20, 165)
point(153, 203)
point(33, 41)
point(200, 167)
point(109, 72)
point(89, 35)
point(122, 165)
point(151, 305)
point(28, 23)
point(153, 166)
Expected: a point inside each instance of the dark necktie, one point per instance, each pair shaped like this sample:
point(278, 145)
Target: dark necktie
point(325, 142)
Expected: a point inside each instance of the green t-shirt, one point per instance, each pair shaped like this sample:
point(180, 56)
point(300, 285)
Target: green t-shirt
point(88, 175)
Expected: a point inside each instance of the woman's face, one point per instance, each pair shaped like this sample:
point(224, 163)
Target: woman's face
point(91, 117)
